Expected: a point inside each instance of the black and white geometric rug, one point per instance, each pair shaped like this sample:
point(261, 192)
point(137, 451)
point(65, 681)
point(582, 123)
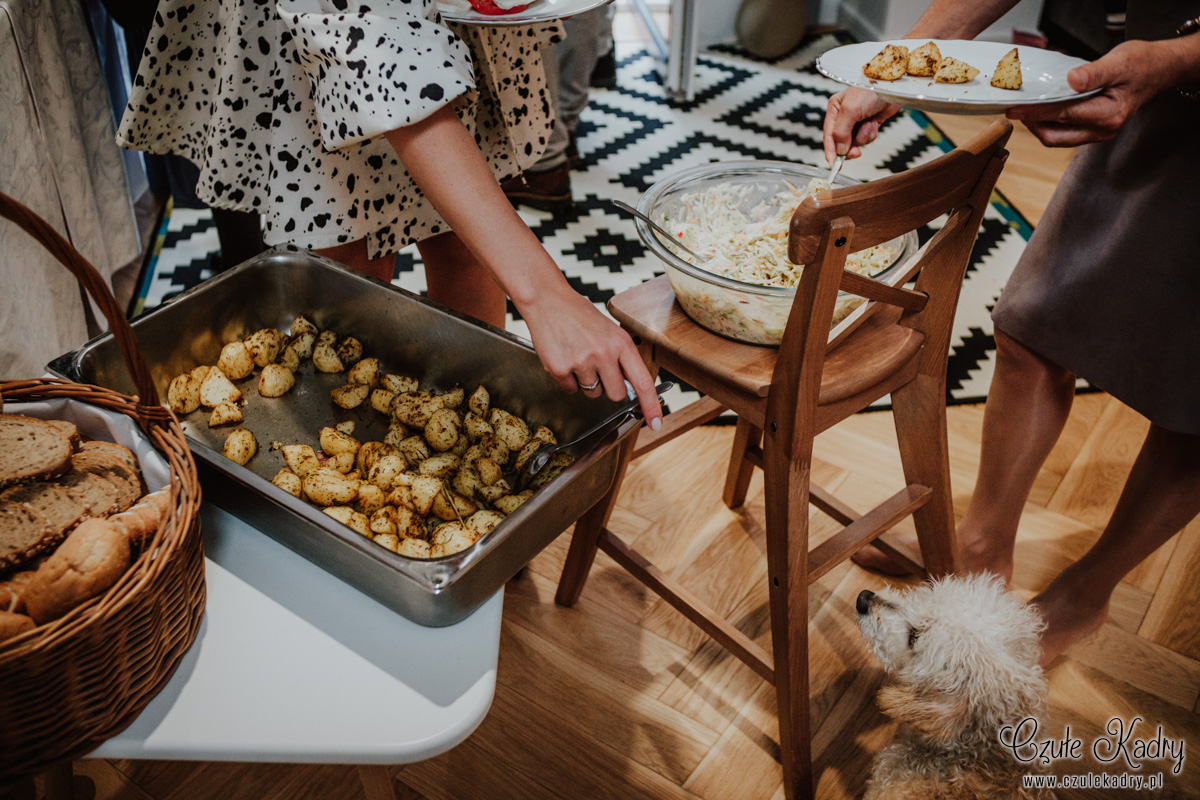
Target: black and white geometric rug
point(632, 136)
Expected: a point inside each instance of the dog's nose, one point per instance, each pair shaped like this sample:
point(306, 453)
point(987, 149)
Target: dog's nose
point(864, 601)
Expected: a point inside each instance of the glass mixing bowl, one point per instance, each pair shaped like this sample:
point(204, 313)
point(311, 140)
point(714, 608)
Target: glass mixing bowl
point(736, 308)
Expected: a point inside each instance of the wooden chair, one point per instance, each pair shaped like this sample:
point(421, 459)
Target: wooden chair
point(803, 388)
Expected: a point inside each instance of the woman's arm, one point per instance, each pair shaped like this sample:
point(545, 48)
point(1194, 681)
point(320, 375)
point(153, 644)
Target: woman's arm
point(573, 339)
point(854, 116)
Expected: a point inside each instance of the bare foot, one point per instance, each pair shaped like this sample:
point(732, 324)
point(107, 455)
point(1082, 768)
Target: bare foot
point(982, 557)
point(1068, 620)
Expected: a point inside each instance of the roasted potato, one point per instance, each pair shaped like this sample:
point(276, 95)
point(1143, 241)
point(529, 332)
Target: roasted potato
point(1008, 71)
point(440, 466)
point(526, 453)
point(351, 395)
point(397, 433)
point(414, 548)
point(365, 371)
point(351, 518)
point(235, 361)
point(544, 435)
point(442, 429)
point(201, 372)
point(492, 446)
point(453, 398)
point(401, 495)
point(328, 487)
point(327, 337)
point(425, 490)
point(558, 462)
point(448, 505)
point(482, 522)
point(383, 521)
point(183, 395)
point(388, 540)
point(489, 471)
point(240, 446)
point(301, 458)
point(414, 449)
point(288, 481)
point(289, 358)
point(217, 389)
point(400, 384)
point(923, 61)
point(452, 537)
point(479, 402)
point(346, 427)
point(952, 70)
point(466, 482)
point(325, 359)
point(225, 414)
point(475, 426)
point(264, 346)
point(889, 64)
point(275, 380)
point(303, 344)
point(494, 492)
point(370, 498)
point(510, 503)
point(342, 462)
point(301, 325)
point(350, 350)
point(511, 429)
point(334, 441)
point(384, 472)
point(381, 400)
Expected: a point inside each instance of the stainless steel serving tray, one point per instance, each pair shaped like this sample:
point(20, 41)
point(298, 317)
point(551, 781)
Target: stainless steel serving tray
point(409, 335)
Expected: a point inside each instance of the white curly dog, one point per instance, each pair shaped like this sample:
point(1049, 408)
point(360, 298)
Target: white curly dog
point(962, 656)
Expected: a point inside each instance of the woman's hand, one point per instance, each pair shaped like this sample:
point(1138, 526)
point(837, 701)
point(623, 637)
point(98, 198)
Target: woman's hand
point(579, 347)
point(1129, 75)
point(853, 119)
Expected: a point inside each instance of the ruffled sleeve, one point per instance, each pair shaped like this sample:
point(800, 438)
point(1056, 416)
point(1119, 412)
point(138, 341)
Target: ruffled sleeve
point(375, 67)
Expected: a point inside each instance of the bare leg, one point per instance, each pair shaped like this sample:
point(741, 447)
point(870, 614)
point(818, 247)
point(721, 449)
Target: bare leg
point(354, 255)
point(1161, 496)
point(456, 278)
point(1027, 407)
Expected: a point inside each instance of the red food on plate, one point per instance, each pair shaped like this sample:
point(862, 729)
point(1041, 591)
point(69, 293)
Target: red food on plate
point(490, 8)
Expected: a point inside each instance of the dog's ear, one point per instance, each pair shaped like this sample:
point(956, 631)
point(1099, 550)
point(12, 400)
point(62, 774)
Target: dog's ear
point(940, 715)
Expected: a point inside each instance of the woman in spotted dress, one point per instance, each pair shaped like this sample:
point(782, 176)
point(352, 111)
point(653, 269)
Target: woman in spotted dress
point(356, 128)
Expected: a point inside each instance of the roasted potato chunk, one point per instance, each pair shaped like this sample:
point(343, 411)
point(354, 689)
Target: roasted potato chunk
point(952, 70)
point(183, 395)
point(453, 398)
point(351, 395)
point(442, 429)
point(289, 358)
point(414, 548)
point(558, 462)
point(476, 426)
point(381, 400)
point(482, 522)
point(448, 505)
point(923, 61)
point(264, 346)
point(889, 64)
point(479, 402)
point(288, 481)
point(303, 344)
point(440, 466)
point(400, 384)
point(301, 325)
point(325, 359)
point(350, 350)
point(342, 462)
point(350, 518)
point(334, 441)
point(388, 540)
point(235, 361)
point(240, 446)
point(425, 489)
point(217, 389)
point(414, 449)
point(328, 487)
point(1008, 71)
point(275, 380)
point(489, 471)
point(224, 414)
point(510, 503)
point(346, 427)
point(301, 458)
point(384, 472)
point(365, 372)
point(370, 498)
point(511, 429)
point(450, 538)
point(383, 521)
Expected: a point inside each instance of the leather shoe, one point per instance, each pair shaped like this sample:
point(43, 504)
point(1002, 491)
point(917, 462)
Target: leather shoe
point(545, 191)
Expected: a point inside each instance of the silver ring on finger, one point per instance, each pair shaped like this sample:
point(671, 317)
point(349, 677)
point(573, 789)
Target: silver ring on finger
point(589, 387)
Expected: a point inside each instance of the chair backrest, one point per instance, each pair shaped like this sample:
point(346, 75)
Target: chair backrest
point(828, 226)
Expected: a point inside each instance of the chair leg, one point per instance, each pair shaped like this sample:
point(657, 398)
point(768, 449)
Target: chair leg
point(919, 410)
point(585, 538)
point(376, 782)
point(786, 496)
point(737, 479)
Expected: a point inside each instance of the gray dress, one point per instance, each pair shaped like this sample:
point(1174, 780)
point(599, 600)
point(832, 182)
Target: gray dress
point(1109, 285)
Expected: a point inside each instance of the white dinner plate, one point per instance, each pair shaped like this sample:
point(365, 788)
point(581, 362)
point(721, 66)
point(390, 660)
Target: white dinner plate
point(1043, 77)
point(538, 11)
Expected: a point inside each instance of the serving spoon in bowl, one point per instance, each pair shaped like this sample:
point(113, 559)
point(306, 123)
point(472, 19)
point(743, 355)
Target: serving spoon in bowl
point(660, 230)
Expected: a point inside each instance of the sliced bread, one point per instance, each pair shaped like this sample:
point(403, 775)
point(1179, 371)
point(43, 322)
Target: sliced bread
point(96, 491)
point(120, 451)
point(127, 482)
point(32, 448)
point(22, 531)
point(62, 509)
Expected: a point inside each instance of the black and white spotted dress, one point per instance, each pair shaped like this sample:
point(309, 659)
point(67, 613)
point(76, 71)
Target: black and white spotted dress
point(283, 104)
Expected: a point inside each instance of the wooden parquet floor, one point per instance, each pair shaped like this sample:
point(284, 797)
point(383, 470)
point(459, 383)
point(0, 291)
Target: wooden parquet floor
point(621, 698)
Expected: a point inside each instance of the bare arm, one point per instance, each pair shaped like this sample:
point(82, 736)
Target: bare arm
point(572, 338)
point(944, 19)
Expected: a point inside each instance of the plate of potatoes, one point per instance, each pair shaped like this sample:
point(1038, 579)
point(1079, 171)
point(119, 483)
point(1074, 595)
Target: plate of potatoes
point(954, 76)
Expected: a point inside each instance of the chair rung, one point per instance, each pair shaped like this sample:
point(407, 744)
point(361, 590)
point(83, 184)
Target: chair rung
point(712, 623)
point(754, 455)
point(676, 423)
point(832, 506)
point(869, 526)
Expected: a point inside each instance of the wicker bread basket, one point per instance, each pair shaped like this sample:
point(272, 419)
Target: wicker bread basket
point(68, 685)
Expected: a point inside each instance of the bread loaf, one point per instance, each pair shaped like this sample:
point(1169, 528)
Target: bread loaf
point(121, 452)
point(32, 448)
point(91, 560)
point(141, 521)
point(62, 508)
point(22, 530)
point(12, 625)
point(12, 592)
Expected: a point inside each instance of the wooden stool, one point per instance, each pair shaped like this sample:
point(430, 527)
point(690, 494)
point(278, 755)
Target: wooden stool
point(804, 388)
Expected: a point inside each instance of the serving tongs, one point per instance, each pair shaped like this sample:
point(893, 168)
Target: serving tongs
point(542, 456)
point(662, 232)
